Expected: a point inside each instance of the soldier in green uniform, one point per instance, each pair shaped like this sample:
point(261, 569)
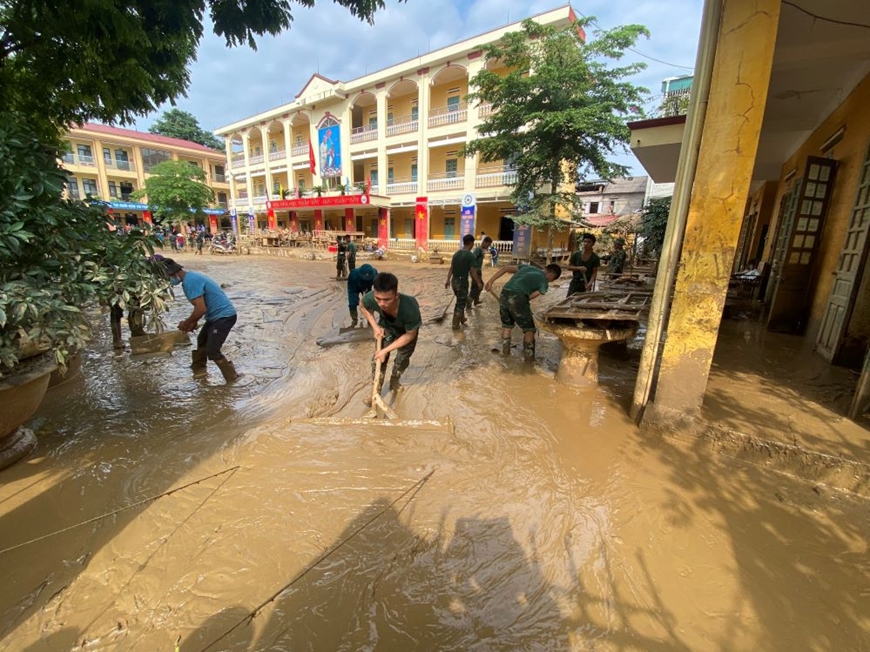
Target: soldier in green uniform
point(461, 266)
point(584, 263)
point(399, 324)
point(351, 254)
point(479, 254)
point(617, 258)
point(528, 282)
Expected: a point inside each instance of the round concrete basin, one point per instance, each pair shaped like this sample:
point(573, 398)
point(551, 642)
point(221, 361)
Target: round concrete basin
point(580, 344)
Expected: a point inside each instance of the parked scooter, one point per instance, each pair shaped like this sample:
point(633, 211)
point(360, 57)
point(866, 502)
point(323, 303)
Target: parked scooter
point(223, 247)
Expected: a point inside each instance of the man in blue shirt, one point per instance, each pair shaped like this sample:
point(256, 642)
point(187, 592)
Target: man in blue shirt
point(359, 281)
point(211, 302)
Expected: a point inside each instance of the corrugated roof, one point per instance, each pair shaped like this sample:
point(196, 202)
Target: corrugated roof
point(626, 186)
point(145, 136)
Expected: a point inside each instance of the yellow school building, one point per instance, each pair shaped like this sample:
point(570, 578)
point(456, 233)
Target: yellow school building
point(111, 163)
point(379, 155)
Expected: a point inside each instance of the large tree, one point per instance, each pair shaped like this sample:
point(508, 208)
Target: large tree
point(176, 123)
point(112, 61)
point(176, 191)
point(558, 114)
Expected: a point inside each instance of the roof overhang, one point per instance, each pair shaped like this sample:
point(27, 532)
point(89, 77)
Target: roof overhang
point(816, 64)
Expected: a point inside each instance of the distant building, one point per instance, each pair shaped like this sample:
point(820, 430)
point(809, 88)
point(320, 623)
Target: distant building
point(111, 163)
point(606, 201)
point(675, 95)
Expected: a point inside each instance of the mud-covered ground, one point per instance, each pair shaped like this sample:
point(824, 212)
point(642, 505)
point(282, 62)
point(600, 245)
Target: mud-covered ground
point(546, 522)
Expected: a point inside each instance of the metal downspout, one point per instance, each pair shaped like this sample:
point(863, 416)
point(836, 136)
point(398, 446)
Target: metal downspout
point(676, 227)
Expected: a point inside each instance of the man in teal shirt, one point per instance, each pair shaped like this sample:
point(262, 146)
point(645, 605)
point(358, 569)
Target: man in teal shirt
point(399, 323)
point(211, 302)
point(461, 266)
point(528, 283)
point(479, 254)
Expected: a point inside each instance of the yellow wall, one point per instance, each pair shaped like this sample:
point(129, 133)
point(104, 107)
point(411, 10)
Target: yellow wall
point(855, 115)
point(401, 105)
point(401, 164)
point(301, 131)
point(438, 98)
point(438, 157)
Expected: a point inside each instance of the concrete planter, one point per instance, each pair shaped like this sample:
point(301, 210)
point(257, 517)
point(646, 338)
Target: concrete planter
point(20, 396)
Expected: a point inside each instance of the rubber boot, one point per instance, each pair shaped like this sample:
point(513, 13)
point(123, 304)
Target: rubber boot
point(457, 321)
point(367, 399)
point(354, 317)
point(395, 385)
point(227, 369)
point(506, 346)
point(528, 351)
point(199, 363)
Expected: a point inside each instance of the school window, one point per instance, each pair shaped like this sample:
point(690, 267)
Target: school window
point(415, 112)
point(72, 186)
point(107, 156)
point(122, 159)
point(222, 199)
point(85, 154)
point(273, 146)
point(257, 150)
point(452, 104)
point(593, 207)
point(451, 165)
point(300, 182)
point(390, 119)
point(414, 172)
point(373, 175)
point(390, 176)
point(612, 205)
point(113, 189)
point(89, 187)
point(152, 157)
point(261, 189)
point(373, 121)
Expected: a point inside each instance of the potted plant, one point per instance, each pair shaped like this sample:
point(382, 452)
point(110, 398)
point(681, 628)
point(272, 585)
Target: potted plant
point(318, 190)
point(57, 257)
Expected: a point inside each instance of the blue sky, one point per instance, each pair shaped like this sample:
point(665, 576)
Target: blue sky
point(231, 84)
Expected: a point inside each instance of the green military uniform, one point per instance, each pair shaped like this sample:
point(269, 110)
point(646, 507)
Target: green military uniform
point(514, 306)
point(617, 261)
point(463, 261)
point(474, 293)
point(351, 256)
point(407, 319)
point(581, 279)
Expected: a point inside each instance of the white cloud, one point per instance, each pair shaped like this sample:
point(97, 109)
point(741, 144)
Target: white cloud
point(231, 84)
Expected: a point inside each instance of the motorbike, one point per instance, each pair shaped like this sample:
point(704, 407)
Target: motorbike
point(223, 247)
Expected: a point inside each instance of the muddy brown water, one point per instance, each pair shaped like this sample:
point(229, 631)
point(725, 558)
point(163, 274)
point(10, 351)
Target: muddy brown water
point(548, 523)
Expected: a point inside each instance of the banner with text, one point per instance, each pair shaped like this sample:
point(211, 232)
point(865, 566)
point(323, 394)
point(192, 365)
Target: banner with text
point(522, 242)
point(466, 221)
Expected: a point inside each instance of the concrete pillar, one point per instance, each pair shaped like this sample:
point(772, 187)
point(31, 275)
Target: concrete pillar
point(423, 100)
point(249, 185)
point(264, 135)
point(102, 172)
point(741, 76)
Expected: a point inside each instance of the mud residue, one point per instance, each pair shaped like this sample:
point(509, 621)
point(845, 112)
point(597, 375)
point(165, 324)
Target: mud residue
point(549, 522)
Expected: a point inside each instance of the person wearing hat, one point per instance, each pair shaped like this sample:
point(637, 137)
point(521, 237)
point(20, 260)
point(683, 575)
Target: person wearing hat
point(359, 281)
point(211, 302)
point(617, 258)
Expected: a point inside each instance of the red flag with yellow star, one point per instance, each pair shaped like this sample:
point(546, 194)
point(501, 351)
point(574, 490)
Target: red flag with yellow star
point(421, 223)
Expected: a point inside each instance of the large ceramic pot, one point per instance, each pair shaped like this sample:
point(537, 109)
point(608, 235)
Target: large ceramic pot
point(20, 395)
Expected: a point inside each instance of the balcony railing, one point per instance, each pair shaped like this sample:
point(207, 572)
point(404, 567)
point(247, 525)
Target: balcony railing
point(220, 178)
point(238, 161)
point(261, 199)
point(364, 133)
point(403, 125)
point(446, 115)
point(69, 157)
point(484, 110)
point(401, 186)
point(403, 244)
point(254, 160)
point(125, 166)
point(299, 150)
point(85, 160)
point(492, 177)
point(278, 154)
point(446, 181)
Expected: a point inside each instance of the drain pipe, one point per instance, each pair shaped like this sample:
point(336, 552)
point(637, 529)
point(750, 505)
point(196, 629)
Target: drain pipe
point(676, 227)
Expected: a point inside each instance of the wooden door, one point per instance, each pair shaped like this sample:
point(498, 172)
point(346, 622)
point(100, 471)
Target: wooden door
point(850, 268)
point(787, 208)
point(789, 309)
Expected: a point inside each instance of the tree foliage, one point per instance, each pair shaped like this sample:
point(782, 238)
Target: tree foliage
point(653, 222)
point(558, 113)
point(176, 191)
point(176, 123)
point(57, 256)
point(112, 61)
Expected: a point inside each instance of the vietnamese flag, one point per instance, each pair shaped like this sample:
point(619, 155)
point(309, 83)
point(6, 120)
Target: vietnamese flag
point(421, 223)
point(311, 162)
point(146, 215)
point(383, 228)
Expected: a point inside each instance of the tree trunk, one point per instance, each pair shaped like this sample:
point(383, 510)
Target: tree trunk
point(553, 189)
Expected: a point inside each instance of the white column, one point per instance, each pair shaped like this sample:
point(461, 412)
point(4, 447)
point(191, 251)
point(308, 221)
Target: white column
point(264, 135)
point(423, 91)
point(246, 145)
point(472, 124)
